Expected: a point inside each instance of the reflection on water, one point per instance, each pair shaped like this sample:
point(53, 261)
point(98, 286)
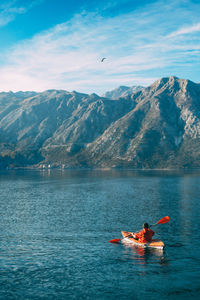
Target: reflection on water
point(144, 256)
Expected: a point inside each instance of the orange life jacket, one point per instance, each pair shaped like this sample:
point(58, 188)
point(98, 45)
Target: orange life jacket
point(145, 235)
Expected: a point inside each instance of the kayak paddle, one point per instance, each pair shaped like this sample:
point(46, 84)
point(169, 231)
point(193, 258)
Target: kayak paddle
point(118, 240)
point(115, 241)
point(161, 221)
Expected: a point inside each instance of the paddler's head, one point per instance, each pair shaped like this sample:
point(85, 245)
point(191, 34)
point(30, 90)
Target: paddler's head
point(145, 225)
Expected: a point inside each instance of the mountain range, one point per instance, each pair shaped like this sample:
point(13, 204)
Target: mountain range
point(153, 127)
point(122, 91)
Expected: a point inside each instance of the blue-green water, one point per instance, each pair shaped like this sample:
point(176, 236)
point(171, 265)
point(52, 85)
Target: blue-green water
point(55, 227)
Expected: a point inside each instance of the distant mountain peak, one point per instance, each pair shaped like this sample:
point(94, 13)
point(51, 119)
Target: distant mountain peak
point(165, 80)
point(122, 91)
point(171, 82)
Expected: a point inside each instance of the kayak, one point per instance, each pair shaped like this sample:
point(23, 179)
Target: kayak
point(156, 244)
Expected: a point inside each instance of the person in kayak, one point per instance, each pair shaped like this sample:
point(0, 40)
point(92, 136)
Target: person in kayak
point(145, 235)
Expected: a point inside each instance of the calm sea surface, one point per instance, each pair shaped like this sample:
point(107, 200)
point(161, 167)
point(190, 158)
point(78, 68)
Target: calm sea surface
point(55, 227)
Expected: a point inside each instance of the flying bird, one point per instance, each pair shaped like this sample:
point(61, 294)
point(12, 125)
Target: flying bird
point(103, 59)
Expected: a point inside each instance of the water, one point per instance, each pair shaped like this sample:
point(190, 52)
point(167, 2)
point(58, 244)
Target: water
point(55, 227)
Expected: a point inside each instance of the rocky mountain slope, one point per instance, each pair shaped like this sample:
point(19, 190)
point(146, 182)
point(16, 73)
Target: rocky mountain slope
point(155, 127)
point(122, 91)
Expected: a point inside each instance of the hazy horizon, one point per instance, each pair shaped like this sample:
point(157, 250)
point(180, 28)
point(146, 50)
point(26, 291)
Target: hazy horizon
point(100, 94)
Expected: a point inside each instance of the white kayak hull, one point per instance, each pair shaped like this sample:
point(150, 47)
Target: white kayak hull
point(154, 244)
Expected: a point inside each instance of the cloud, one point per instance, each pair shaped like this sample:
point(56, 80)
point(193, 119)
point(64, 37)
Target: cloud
point(68, 56)
point(186, 30)
point(9, 10)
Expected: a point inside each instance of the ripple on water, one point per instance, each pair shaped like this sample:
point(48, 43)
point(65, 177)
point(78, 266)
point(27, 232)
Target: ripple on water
point(55, 230)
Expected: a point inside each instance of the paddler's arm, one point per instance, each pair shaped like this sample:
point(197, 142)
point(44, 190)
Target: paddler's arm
point(137, 235)
point(133, 234)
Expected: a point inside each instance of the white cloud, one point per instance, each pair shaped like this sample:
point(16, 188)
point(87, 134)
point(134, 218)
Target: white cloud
point(11, 9)
point(185, 30)
point(68, 56)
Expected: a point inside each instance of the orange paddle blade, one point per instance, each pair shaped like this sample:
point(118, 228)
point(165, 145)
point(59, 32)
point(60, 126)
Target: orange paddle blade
point(164, 220)
point(115, 241)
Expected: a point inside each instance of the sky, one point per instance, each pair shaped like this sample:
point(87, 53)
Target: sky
point(59, 44)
